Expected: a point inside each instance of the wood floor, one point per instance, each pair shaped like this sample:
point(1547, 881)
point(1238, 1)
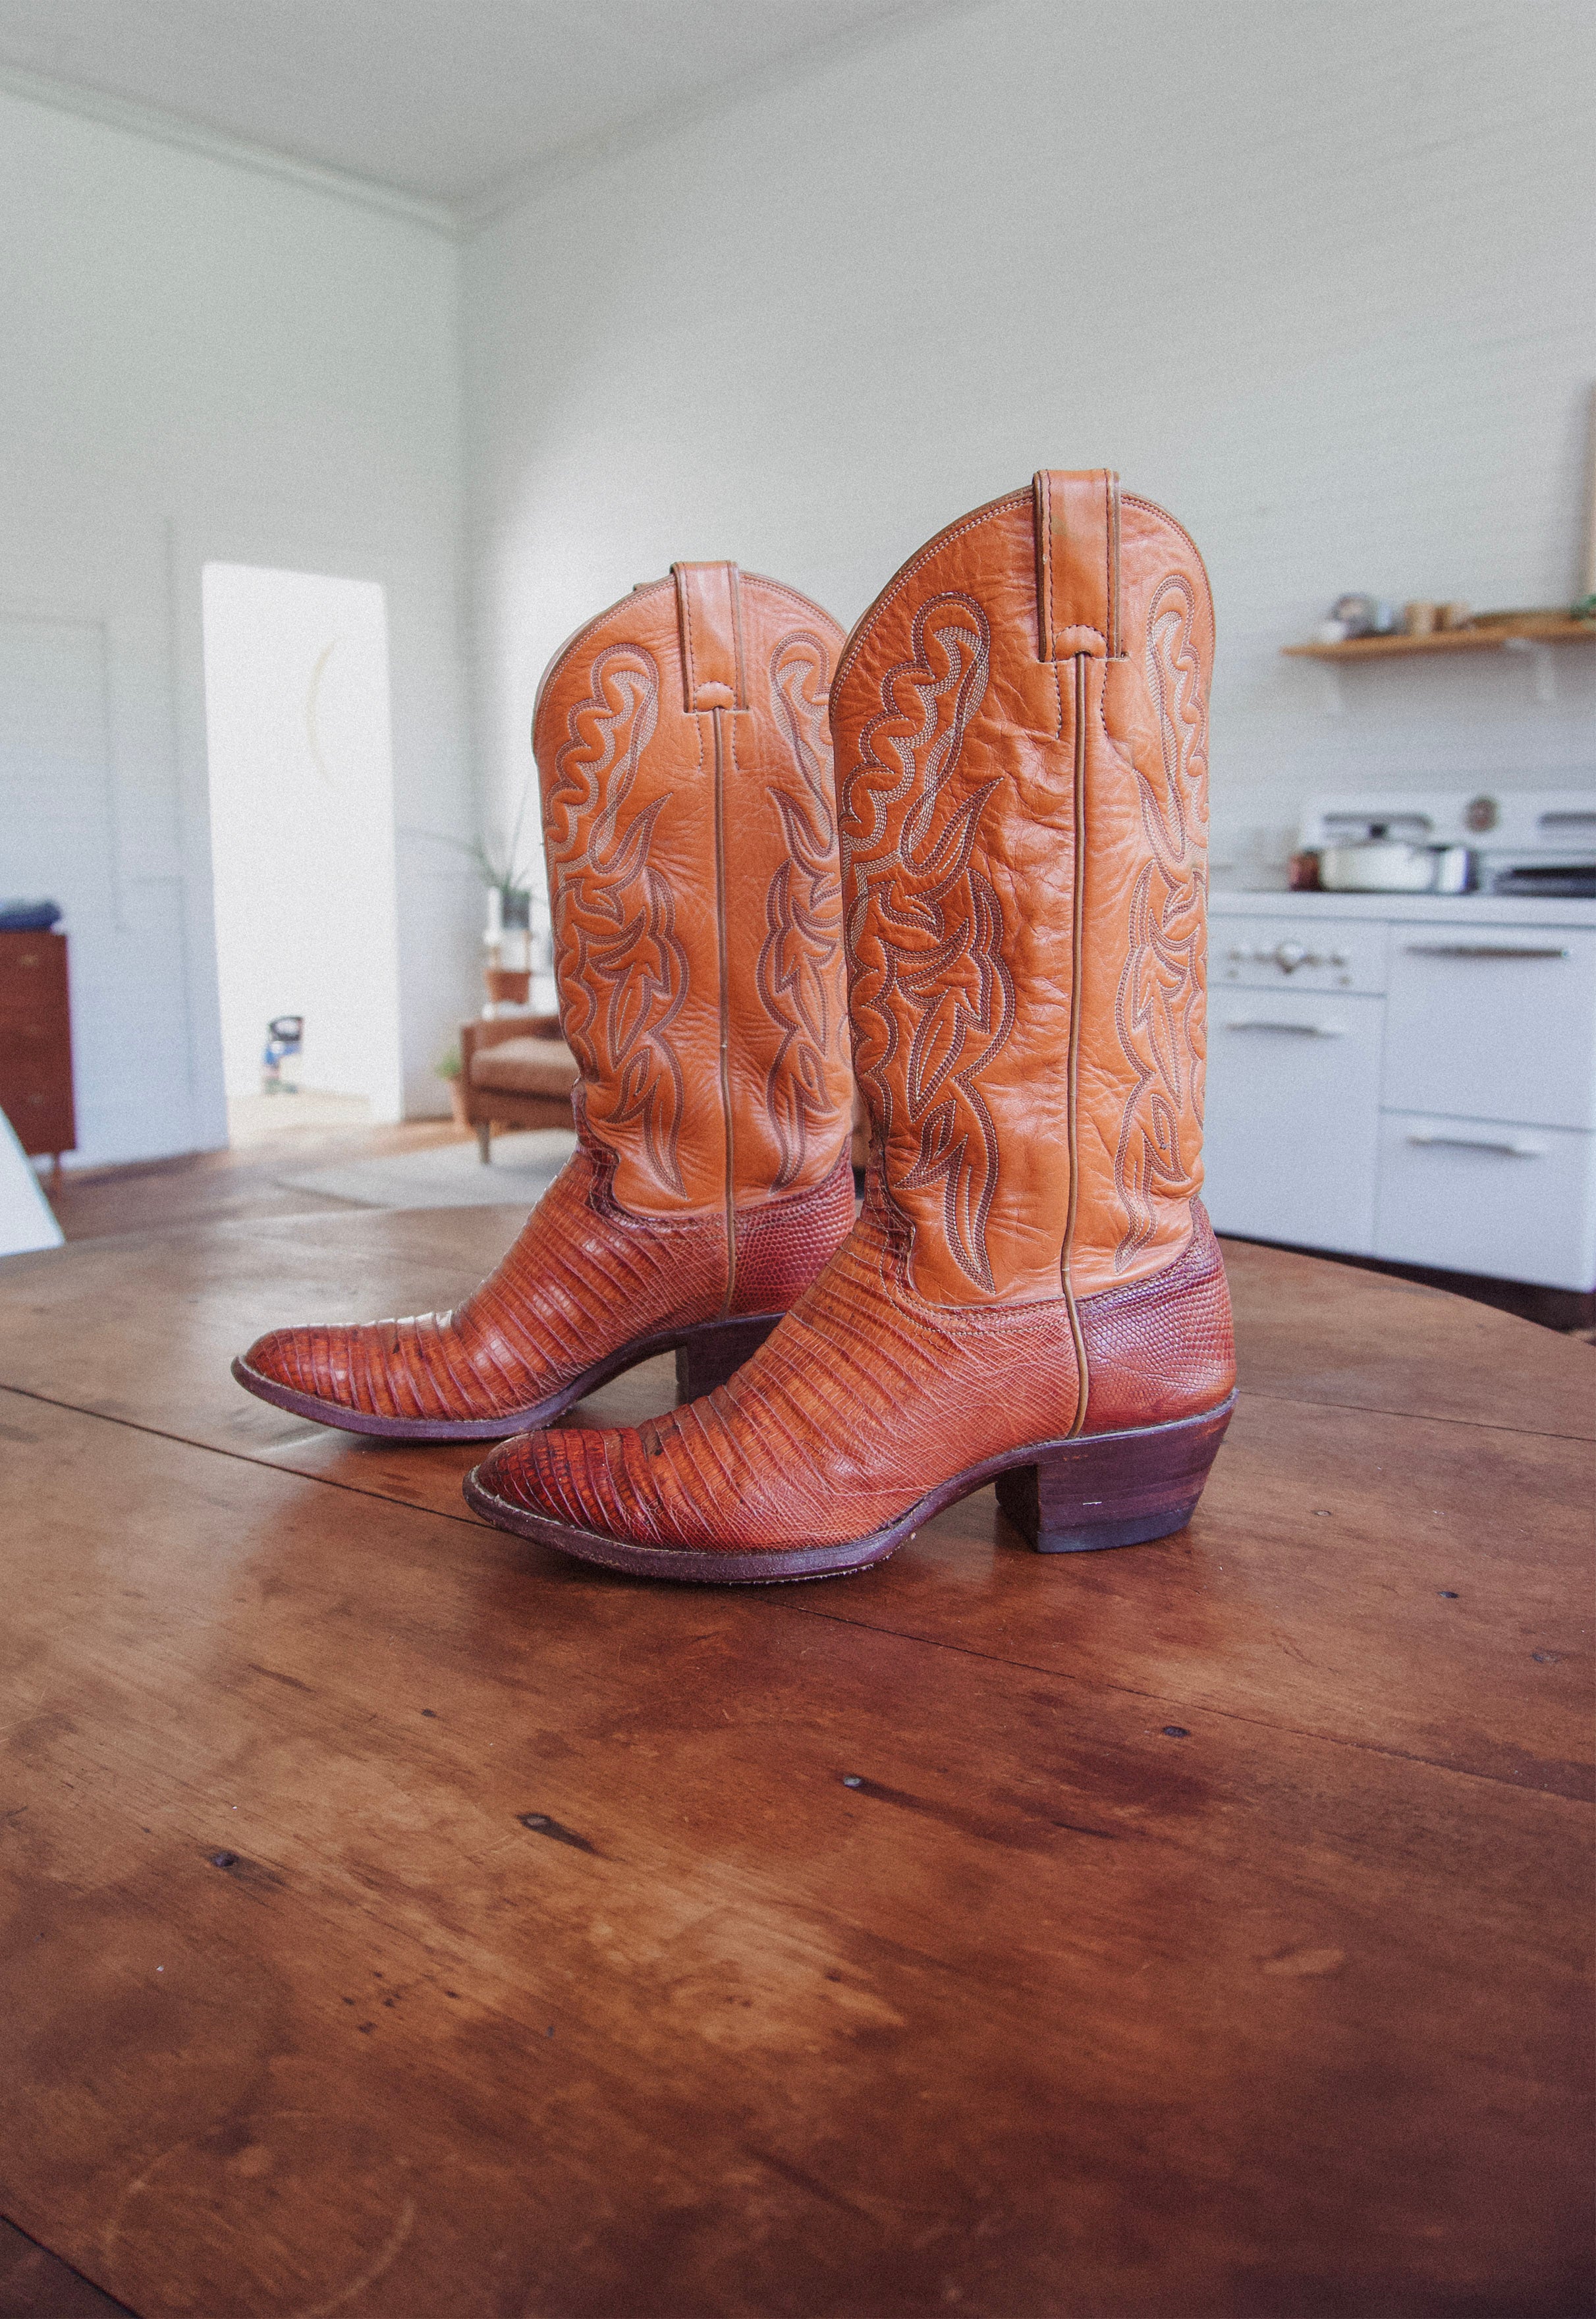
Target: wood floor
point(402, 1921)
point(214, 1186)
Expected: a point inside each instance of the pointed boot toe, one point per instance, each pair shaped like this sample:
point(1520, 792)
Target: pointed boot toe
point(280, 1358)
point(595, 1496)
point(556, 1480)
point(385, 1377)
point(305, 1370)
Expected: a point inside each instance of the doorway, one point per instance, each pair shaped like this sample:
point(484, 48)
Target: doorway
point(301, 772)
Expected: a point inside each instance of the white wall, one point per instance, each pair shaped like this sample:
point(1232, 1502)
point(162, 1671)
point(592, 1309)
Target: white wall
point(200, 362)
point(301, 827)
point(1321, 279)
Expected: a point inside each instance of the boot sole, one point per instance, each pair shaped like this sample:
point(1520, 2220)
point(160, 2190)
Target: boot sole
point(706, 1356)
point(1070, 1497)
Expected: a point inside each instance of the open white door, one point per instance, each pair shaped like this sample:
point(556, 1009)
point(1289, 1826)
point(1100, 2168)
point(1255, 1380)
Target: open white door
point(301, 830)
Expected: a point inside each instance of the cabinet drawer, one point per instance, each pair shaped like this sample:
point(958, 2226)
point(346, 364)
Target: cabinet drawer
point(1492, 1023)
point(1288, 953)
point(1293, 1116)
point(1473, 1195)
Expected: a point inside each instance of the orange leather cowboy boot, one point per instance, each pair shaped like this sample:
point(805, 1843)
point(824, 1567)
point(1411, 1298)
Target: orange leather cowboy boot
point(1033, 1294)
point(685, 758)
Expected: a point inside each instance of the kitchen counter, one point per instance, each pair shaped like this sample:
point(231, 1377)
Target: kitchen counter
point(1411, 1077)
point(1434, 909)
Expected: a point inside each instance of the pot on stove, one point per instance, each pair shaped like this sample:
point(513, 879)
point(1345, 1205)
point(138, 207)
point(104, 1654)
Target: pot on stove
point(1383, 864)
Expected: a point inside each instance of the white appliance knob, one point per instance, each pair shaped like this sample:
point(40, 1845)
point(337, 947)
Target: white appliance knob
point(1289, 956)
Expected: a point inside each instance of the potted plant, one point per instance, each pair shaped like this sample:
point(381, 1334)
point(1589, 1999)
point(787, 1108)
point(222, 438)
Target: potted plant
point(447, 1069)
point(508, 931)
point(507, 938)
point(510, 915)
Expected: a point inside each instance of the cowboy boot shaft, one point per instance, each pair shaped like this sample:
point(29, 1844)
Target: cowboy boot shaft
point(1020, 728)
point(682, 743)
point(1143, 719)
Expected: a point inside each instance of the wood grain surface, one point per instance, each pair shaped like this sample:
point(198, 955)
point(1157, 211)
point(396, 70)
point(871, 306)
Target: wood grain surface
point(37, 2284)
point(400, 1920)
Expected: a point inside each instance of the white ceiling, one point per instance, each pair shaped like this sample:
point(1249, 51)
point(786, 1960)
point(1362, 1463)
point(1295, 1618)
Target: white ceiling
point(455, 101)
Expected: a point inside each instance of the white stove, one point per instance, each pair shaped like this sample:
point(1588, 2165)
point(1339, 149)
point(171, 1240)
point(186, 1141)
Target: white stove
point(1412, 1075)
point(1534, 843)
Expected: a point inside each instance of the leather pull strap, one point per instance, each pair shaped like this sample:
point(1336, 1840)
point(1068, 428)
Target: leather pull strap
point(1078, 564)
point(709, 616)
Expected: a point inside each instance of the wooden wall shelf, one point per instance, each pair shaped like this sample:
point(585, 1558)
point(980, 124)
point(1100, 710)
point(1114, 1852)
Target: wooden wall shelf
point(1495, 638)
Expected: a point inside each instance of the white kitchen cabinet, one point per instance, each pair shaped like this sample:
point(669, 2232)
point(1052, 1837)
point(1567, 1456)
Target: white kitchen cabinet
point(1293, 1115)
point(1497, 1022)
point(1278, 953)
point(1475, 1196)
point(1406, 1077)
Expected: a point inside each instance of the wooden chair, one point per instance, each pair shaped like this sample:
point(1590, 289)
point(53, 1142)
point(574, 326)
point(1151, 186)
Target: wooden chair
point(515, 1071)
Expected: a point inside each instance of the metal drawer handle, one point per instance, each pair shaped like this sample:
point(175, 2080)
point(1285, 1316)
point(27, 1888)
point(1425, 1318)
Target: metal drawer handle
point(1511, 1146)
point(1476, 949)
point(1298, 1030)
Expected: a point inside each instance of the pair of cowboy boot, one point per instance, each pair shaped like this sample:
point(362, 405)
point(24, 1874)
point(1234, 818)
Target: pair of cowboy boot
point(1032, 1293)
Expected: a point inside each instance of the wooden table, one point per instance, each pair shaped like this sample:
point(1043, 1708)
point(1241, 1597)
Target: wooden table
point(401, 1920)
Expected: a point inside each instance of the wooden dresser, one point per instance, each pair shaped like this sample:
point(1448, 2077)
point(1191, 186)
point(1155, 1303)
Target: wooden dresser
point(36, 1043)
